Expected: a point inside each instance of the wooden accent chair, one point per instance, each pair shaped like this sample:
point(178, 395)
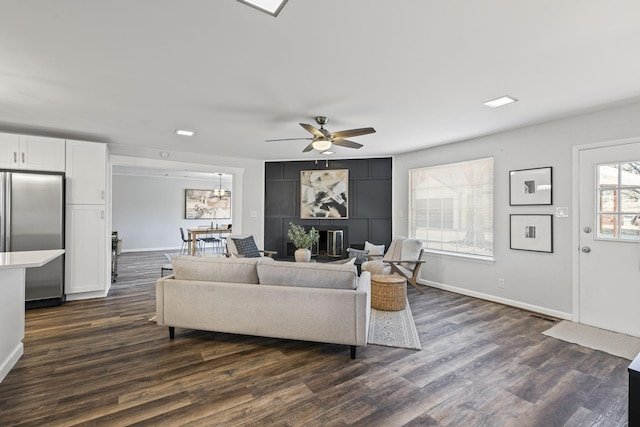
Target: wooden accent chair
point(244, 246)
point(404, 257)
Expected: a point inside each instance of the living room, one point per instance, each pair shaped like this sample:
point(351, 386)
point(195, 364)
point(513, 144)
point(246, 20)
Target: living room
point(603, 111)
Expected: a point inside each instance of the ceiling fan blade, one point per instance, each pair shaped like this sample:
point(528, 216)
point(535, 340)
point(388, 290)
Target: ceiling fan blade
point(308, 148)
point(346, 143)
point(288, 139)
point(311, 129)
point(352, 132)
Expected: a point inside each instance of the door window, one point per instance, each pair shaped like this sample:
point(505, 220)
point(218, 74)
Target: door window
point(618, 201)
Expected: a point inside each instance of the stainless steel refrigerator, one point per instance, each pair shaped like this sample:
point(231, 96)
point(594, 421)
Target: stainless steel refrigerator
point(32, 218)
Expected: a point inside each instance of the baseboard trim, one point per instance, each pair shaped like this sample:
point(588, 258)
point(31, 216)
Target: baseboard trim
point(151, 249)
point(11, 360)
point(518, 304)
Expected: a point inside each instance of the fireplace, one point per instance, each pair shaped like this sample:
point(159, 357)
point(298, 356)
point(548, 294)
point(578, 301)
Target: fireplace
point(330, 244)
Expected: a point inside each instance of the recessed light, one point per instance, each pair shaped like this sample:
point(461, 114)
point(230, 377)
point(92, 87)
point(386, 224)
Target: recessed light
point(272, 7)
point(185, 132)
point(499, 102)
point(164, 154)
point(328, 153)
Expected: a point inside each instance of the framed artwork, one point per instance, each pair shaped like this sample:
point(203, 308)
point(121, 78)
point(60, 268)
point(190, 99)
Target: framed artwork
point(324, 194)
point(532, 232)
point(203, 204)
point(530, 187)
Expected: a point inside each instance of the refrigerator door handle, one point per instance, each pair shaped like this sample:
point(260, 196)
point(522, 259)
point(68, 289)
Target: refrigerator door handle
point(7, 212)
point(2, 209)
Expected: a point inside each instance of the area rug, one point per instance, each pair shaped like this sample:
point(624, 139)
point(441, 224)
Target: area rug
point(620, 345)
point(393, 329)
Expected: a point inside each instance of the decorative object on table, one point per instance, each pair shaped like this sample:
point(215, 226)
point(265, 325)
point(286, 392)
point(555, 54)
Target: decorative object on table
point(404, 257)
point(530, 187)
point(303, 240)
point(324, 194)
point(532, 232)
point(208, 204)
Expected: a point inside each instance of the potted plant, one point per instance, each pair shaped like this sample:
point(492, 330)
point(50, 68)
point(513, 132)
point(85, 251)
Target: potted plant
point(303, 240)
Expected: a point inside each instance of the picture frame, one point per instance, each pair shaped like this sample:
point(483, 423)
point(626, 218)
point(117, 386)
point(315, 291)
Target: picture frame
point(531, 186)
point(324, 193)
point(531, 232)
point(204, 204)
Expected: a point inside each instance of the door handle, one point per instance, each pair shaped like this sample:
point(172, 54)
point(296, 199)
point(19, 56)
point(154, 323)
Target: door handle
point(587, 229)
point(586, 249)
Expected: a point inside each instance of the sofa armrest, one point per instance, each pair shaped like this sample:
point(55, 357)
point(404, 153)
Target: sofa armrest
point(160, 284)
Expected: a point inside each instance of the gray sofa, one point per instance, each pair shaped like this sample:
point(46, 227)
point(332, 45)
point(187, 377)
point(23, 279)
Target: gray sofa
point(259, 296)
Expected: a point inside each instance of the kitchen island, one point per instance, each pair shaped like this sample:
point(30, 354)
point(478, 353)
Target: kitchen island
point(13, 267)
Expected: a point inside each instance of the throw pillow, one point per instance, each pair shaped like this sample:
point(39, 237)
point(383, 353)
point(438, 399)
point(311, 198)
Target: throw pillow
point(374, 249)
point(359, 255)
point(246, 247)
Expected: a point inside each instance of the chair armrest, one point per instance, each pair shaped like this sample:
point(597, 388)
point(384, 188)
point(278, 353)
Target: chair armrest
point(415, 261)
point(269, 253)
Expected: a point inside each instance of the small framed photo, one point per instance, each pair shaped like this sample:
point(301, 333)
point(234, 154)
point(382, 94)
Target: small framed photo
point(532, 232)
point(530, 186)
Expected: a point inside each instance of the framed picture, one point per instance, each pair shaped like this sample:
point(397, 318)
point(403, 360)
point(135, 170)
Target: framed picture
point(532, 232)
point(324, 194)
point(204, 204)
point(530, 187)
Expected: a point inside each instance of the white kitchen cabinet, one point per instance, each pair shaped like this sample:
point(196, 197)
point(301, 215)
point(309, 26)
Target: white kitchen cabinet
point(9, 149)
point(86, 173)
point(87, 252)
point(32, 153)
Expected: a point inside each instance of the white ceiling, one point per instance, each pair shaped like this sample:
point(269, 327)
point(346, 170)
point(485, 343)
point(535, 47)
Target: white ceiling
point(131, 72)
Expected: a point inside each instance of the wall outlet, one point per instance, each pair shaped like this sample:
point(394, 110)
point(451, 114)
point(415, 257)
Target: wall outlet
point(501, 283)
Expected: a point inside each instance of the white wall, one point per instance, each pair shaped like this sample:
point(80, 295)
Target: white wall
point(148, 211)
point(247, 195)
point(538, 281)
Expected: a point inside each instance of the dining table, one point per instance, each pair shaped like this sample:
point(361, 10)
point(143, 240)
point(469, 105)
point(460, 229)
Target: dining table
point(195, 232)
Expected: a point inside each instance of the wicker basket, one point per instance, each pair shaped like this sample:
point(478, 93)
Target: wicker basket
point(388, 292)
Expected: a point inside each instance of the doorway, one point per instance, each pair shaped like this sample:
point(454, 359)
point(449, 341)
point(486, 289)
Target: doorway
point(608, 290)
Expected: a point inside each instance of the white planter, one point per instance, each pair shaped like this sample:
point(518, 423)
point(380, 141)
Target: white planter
point(302, 255)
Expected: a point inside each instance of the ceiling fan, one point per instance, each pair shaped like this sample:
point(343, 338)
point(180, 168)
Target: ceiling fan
point(323, 139)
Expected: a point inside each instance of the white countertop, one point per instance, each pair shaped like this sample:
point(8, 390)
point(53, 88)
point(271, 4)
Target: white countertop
point(27, 259)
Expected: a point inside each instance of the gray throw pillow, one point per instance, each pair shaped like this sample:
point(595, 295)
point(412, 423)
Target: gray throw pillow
point(247, 247)
point(359, 254)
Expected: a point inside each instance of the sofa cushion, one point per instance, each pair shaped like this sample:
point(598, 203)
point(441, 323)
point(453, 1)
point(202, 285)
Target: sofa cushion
point(308, 275)
point(213, 269)
point(359, 255)
point(246, 247)
point(373, 249)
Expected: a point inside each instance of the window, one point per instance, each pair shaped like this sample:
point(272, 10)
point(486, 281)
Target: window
point(451, 207)
point(618, 210)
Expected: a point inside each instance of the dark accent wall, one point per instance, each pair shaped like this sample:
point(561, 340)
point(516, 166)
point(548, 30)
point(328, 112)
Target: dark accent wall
point(369, 202)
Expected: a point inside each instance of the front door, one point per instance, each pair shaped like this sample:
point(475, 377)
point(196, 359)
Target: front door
point(609, 221)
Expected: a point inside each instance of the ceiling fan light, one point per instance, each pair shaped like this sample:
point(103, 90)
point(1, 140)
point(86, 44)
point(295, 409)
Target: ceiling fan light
point(321, 144)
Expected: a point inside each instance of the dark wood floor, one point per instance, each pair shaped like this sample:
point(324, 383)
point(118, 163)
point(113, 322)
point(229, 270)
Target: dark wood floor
point(102, 362)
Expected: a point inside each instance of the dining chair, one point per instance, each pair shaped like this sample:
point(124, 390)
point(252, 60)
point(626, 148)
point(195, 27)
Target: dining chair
point(216, 241)
point(185, 242)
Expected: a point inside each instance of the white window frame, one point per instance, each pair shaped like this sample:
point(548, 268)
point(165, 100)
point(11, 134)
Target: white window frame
point(455, 241)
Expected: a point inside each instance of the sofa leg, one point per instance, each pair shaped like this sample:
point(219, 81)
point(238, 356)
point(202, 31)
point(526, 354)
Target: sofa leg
point(353, 351)
point(172, 332)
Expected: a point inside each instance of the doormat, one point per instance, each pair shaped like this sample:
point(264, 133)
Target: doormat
point(614, 343)
point(393, 329)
